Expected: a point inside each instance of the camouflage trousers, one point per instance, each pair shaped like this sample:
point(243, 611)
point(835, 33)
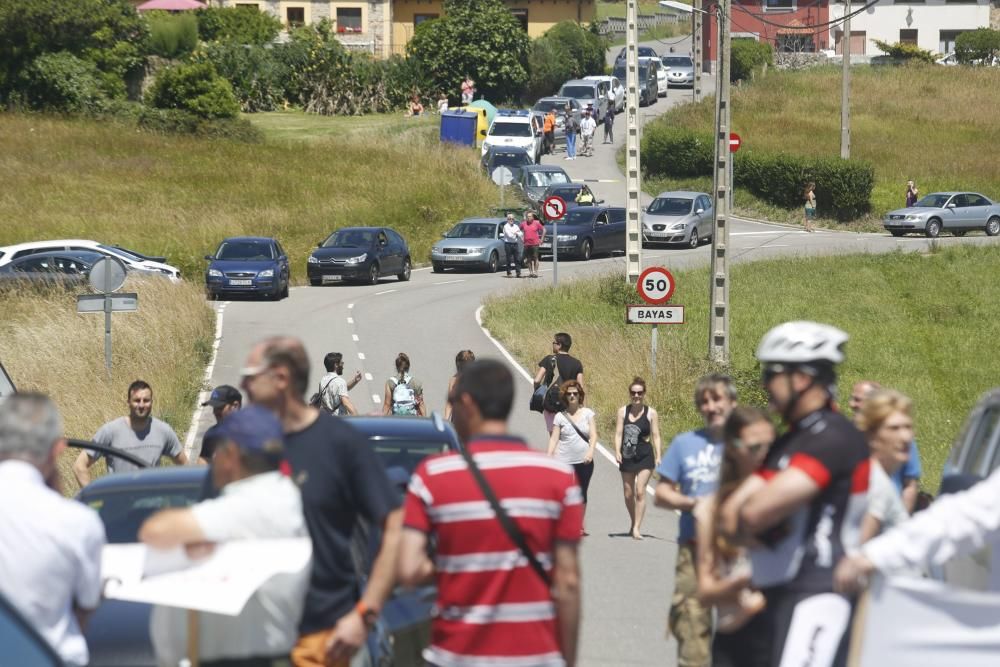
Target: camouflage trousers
point(689, 622)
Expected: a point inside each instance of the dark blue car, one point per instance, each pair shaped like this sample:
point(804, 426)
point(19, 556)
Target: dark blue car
point(248, 266)
point(359, 253)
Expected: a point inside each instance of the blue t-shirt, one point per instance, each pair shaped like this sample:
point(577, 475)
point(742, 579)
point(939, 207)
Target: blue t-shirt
point(692, 461)
point(910, 470)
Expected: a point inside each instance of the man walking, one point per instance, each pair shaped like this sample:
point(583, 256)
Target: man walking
point(224, 401)
point(689, 471)
point(342, 481)
point(549, 127)
point(334, 387)
point(512, 234)
point(533, 231)
point(500, 600)
point(140, 434)
point(571, 126)
point(50, 555)
point(557, 368)
point(609, 124)
point(257, 501)
point(588, 126)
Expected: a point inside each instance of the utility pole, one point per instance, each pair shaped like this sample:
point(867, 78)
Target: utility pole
point(845, 92)
point(696, 40)
point(718, 343)
point(633, 224)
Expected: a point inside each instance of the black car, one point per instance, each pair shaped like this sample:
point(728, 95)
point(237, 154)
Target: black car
point(68, 268)
point(586, 231)
point(649, 89)
point(248, 266)
point(511, 157)
point(362, 254)
point(569, 193)
point(642, 52)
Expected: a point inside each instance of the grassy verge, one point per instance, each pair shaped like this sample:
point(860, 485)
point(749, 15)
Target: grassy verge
point(940, 146)
point(917, 323)
point(608, 9)
point(47, 347)
point(179, 196)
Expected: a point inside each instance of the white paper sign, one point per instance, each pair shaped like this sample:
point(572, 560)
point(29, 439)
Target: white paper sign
point(220, 583)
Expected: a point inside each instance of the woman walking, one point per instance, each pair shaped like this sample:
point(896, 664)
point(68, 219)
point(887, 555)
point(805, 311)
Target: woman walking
point(461, 359)
point(403, 394)
point(886, 420)
point(810, 211)
point(637, 449)
point(574, 436)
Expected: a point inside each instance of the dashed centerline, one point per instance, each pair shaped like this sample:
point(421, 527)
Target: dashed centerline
point(451, 282)
point(355, 338)
point(384, 292)
point(368, 376)
point(361, 356)
point(350, 320)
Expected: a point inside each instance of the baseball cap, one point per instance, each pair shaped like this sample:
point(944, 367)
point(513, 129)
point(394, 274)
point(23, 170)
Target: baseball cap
point(222, 395)
point(254, 429)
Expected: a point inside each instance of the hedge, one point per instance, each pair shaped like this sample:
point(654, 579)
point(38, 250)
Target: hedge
point(676, 152)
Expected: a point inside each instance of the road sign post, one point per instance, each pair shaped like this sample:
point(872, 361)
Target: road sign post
point(554, 208)
point(735, 141)
point(656, 285)
point(106, 277)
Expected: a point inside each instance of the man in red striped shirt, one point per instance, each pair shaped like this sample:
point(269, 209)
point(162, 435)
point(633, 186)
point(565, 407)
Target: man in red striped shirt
point(492, 607)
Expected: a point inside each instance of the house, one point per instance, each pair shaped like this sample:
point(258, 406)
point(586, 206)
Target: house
point(932, 25)
point(383, 27)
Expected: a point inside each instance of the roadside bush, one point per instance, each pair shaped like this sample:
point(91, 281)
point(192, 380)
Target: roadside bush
point(256, 73)
point(61, 82)
point(550, 65)
point(195, 88)
point(565, 51)
point(177, 121)
point(585, 49)
point(237, 25)
point(904, 52)
point(676, 152)
point(172, 35)
point(749, 56)
point(980, 46)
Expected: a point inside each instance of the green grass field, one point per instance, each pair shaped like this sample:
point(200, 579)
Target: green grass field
point(926, 123)
point(921, 323)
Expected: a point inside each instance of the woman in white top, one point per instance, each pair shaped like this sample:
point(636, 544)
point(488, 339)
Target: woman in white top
point(886, 420)
point(574, 436)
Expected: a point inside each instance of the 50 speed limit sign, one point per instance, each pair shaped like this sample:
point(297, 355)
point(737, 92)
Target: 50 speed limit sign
point(656, 285)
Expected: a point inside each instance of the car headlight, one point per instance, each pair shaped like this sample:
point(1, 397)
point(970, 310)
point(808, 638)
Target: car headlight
point(214, 273)
point(266, 273)
point(566, 237)
point(436, 249)
point(486, 146)
point(357, 260)
point(679, 226)
point(312, 260)
point(913, 218)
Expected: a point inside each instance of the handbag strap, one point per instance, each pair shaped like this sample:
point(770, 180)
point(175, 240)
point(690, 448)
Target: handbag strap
point(585, 438)
point(555, 370)
point(515, 535)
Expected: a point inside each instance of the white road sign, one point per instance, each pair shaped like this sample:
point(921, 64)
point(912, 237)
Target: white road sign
point(554, 207)
point(502, 175)
point(656, 285)
point(654, 314)
point(120, 303)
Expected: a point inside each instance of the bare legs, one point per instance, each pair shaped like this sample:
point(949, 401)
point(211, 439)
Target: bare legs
point(634, 487)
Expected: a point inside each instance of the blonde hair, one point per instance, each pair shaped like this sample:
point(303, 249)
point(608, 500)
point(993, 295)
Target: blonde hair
point(881, 405)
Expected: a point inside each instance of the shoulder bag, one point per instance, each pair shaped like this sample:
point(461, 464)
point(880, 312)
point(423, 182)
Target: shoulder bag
point(552, 403)
point(537, 403)
point(316, 400)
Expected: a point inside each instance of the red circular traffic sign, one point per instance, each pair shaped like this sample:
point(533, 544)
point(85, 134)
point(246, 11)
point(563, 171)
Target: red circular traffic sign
point(734, 142)
point(656, 285)
point(554, 207)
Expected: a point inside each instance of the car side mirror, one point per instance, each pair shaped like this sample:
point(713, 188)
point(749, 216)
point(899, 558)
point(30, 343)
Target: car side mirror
point(319, 245)
point(699, 210)
point(951, 205)
point(209, 257)
point(600, 201)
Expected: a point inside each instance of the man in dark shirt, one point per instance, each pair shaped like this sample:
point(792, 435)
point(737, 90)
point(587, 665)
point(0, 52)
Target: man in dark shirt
point(341, 480)
point(569, 368)
point(224, 400)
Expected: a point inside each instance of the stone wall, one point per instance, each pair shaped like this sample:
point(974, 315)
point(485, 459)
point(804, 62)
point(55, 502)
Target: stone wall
point(799, 60)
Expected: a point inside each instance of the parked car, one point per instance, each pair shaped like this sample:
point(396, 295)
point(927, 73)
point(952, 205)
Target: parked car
point(569, 193)
point(511, 157)
point(678, 217)
point(616, 87)
point(50, 269)
point(955, 212)
point(680, 70)
point(661, 74)
point(648, 87)
point(535, 179)
point(473, 243)
point(131, 259)
point(247, 266)
point(521, 128)
point(359, 253)
point(558, 104)
point(643, 52)
point(588, 94)
point(586, 231)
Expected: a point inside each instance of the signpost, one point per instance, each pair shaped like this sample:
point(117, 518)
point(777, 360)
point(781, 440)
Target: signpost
point(735, 141)
point(106, 277)
point(503, 177)
point(554, 208)
point(656, 286)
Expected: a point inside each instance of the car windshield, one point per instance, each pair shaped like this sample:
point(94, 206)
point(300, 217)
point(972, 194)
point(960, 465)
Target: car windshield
point(669, 206)
point(473, 230)
point(121, 252)
point(507, 129)
point(124, 510)
point(406, 454)
point(246, 250)
point(676, 61)
point(350, 238)
point(578, 92)
point(511, 159)
point(934, 201)
point(549, 105)
point(568, 194)
point(546, 178)
point(643, 73)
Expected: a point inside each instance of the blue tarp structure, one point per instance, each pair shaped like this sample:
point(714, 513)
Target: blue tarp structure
point(459, 127)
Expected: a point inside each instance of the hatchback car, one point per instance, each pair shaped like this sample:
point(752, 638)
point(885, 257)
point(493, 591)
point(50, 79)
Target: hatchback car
point(680, 70)
point(588, 94)
point(558, 104)
point(359, 253)
point(535, 179)
point(248, 266)
point(506, 156)
point(661, 74)
point(955, 212)
point(132, 259)
point(615, 86)
point(680, 217)
point(473, 243)
point(50, 269)
point(586, 231)
point(648, 86)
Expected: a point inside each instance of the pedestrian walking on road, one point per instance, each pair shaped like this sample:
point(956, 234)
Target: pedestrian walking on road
point(341, 483)
point(574, 437)
point(549, 127)
point(588, 127)
point(637, 450)
point(571, 127)
point(689, 473)
point(512, 236)
point(810, 208)
point(507, 570)
point(403, 394)
point(333, 386)
point(552, 371)
point(533, 231)
point(224, 400)
point(50, 554)
point(140, 434)
point(468, 90)
point(609, 125)
point(462, 359)
point(912, 194)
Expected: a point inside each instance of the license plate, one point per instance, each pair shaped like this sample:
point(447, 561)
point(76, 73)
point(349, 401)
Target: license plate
point(545, 246)
point(242, 283)
point(331, 279)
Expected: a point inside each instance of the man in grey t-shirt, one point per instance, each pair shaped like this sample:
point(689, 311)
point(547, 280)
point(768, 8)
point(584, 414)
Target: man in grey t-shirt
point(333, 386)
point(139, 434)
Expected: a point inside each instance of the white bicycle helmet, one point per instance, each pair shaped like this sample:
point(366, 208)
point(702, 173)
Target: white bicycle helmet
point(802, 343)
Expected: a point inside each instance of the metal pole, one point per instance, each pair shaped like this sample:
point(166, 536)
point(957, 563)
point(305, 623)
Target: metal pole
point(633, 209)
point(696, 37)
point(652, 355)
point(108, 285)
point(555, 252)
point(718, 345)
point(845, 92)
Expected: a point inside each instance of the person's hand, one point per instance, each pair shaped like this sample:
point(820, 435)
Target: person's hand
point(851, 574)
point(199, 550)
point(618, 456)
point(347, 637)
point(357, 376)
point(589, 456)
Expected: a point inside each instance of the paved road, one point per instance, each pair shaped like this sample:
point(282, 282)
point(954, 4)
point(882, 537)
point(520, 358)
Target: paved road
point(626, 583)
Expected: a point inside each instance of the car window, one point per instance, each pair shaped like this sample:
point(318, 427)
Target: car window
point(123, 511)
point(511, 160)
point(248, 250)
point(508, 129)
point(35, 251)
point(279, 249)
point(676, 61)
point(617, 215)
point(579, 216)
point(406, 454)
point(382, 239)
point(579, 92)
point(704, 203)
point(396, 238)
point(669, 206)
point(977, 444)
point(977, 200)
point(473, 230)
point(602, 219)
point(350, 238)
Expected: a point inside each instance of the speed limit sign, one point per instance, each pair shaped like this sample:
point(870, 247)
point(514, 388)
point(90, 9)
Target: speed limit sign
point(656, 285)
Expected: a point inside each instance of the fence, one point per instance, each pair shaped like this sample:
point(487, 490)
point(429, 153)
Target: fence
point(615, 25)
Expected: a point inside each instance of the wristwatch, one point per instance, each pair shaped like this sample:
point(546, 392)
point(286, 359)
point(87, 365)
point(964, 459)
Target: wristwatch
point(368, 615)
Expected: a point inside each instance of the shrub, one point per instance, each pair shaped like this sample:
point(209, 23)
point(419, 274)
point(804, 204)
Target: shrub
point(177, 121)
point(904, 52)
point(676, 152)
point(747, 57)
point(978, 46)
point(61, 82)
point(256, 73)
point(195, 88)
point(237, 25)
point(586, 50)
point(172, 35)
point(550, 65)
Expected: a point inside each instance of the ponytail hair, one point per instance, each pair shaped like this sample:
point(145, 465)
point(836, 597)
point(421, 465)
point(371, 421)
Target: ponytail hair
point(402, 364)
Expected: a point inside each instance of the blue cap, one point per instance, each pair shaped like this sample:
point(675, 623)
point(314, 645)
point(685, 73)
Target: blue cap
point(254, 430)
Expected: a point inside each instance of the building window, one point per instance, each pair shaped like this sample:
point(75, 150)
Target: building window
point(795, 43)
point(295, 17)
point(248, 5)
point(522, 17)
point(908, 36)
point(946, 40)
point(420, 18)
point(779, 5)
point(348, 19)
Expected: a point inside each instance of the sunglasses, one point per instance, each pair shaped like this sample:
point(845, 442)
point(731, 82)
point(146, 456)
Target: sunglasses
point(637, 393)
point(752, 449)
point(574, 394)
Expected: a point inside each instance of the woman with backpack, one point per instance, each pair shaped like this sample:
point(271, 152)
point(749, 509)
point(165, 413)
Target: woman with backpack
point(403, 394)
point(574, 436)
point(637, 449)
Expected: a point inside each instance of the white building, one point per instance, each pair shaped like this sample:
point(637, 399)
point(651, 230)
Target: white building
point(930, 24)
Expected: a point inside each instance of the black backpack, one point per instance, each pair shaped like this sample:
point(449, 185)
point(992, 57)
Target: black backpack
point(552, 402)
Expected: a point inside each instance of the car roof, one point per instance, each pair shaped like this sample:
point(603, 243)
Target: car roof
point(405, 428)
point(359, 229)
point(682, 193)
point(584, 82)
point(480, 220)
point(565, 186)
point(145, 478)
point(248, 238)
point(27, 245)
point(543, 167)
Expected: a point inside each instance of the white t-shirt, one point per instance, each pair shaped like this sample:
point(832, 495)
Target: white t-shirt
point(572, 448)
point(333, 388)
point(587, 126)
point(884, 502)
point(268, 505)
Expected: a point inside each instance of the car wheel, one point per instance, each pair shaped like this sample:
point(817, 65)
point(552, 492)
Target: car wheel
point(437, 268)
point(586, 250)
point(284, 292)
point(405, 274)
point(373, 274)
point(694, 240)
point(959, 232)
point(494, 262)
point(896, 232)
point(993, 226)
point(933, 229)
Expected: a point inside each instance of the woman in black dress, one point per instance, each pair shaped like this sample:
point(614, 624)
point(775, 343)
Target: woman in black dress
point(637, 448)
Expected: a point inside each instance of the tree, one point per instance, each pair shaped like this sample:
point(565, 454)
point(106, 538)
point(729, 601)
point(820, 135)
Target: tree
point(196, 89)
point(585, 49)
point(904, 52)
point(478, 38)
point(978, 47)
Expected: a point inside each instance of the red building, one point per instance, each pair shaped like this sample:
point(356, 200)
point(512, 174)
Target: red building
point(787, 25)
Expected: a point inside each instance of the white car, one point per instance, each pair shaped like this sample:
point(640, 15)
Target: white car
point(617, 89)
point(516, 127)
point(661, 74)
point(132, 259)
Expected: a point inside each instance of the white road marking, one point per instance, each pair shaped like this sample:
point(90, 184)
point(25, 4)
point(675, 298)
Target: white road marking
point(376, 398)
point(361, 356)
point(355, 338)
point(206, 381)
point(451, 282)
point(350, 305)
point(384, 292)
point(350, 320)
point(368, 376)
point(527, 376)
point(787, 231)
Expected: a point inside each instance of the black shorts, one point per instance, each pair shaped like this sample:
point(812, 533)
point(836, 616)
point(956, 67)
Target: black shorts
point(531, 252)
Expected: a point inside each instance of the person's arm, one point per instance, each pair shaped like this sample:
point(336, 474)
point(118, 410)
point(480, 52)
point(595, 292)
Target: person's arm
point(870, 527)
point(619, 427)
point(418, 394)
point(345, 400)
point(181, 458)
point(171, 527)
point(729, 514)
point(540, 376)
point(81, 468)
point(911, 490)
point(592, 425)
point(415, 566)
point(777, 500)
point(669, 497)
point(353, 382)
point(654, 421)
point(447, 398)
point(174, 449)
point(554, 435)
point(911, 473)
point(387, 399)
point(712, 589)
point(566, 591)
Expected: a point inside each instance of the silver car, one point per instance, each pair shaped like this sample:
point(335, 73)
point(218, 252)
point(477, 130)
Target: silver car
point(680, 70)
point(473, 243)
point(955, 212)
point(587, 93)
point(679, 217)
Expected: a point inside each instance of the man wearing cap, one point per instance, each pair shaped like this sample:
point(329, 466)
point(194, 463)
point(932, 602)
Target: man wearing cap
point(224, 400)
point(257, 502)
